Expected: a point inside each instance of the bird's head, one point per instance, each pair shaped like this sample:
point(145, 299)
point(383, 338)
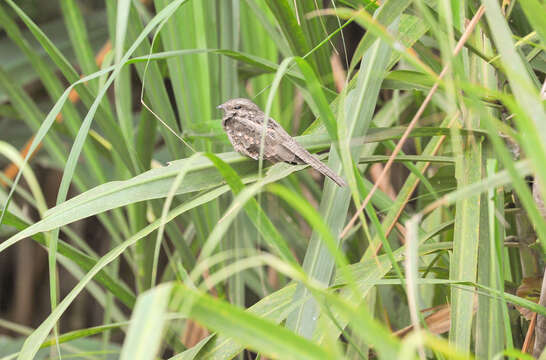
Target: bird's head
point(238, 106)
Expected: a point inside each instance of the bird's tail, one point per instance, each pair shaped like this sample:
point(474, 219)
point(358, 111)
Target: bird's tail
point(320, 167)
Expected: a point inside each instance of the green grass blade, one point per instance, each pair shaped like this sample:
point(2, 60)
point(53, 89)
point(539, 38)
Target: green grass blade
point(33, 342)
point(288, 24)
point(105, 118)
point(385, 15)
point(144, 335)
point(79, 38)
point(254, 211)
point(85, 262)
point(468, 169)
point(318, 263)
point(534, 10)
point(533, 124)
point(255, 332)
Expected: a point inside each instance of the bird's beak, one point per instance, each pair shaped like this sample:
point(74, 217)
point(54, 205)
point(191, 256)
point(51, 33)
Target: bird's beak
point(221, 107)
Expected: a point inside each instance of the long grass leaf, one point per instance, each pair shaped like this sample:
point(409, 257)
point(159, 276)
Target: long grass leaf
point(33, 342)
point(318, 263)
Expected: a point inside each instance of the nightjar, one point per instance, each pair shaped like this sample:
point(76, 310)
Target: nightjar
point(243, 121)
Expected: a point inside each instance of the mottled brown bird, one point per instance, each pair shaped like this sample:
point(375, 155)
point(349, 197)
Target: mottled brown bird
point(243, 122)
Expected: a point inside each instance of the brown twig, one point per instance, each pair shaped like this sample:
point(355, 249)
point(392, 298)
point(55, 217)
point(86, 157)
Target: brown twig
point(540, 327)
point(395, 222)
point(414, 121)
point(338, 72)
point(529, 335)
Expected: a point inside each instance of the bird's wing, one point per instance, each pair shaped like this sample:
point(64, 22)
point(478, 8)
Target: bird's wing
point(300, 153)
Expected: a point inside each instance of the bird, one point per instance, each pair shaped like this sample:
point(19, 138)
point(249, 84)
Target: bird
point(243, 121)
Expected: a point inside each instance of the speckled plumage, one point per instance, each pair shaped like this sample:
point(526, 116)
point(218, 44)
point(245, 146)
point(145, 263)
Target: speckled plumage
point(243, 122)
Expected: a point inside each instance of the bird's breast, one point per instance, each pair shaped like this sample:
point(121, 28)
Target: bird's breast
point(239, 135)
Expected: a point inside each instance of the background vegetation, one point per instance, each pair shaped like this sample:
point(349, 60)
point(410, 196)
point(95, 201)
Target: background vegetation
point(133, 231)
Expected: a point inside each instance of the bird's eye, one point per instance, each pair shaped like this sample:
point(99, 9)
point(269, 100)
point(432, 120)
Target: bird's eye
point(237, 107)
